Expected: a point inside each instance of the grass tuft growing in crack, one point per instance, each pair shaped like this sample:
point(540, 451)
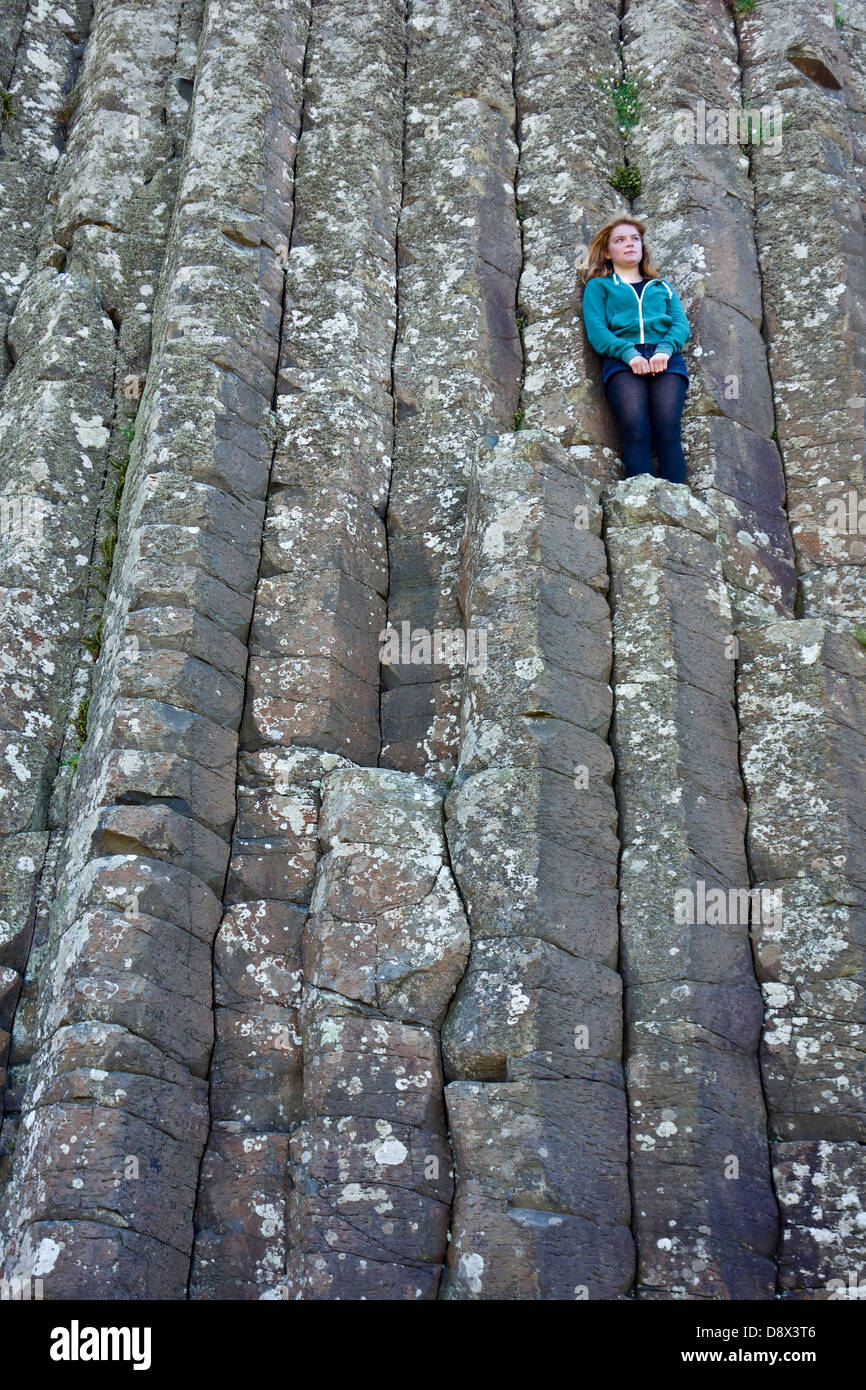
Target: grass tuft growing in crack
point(625, 93)
point(93, 640)
point(7, 108)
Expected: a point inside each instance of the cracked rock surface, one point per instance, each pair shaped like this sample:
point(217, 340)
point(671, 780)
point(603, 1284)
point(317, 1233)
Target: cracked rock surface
point(431, 864)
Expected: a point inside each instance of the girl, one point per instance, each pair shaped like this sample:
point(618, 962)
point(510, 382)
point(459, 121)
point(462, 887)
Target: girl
point(636, 322)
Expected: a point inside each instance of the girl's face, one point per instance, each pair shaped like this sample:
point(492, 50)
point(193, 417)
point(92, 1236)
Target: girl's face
point(625, 247)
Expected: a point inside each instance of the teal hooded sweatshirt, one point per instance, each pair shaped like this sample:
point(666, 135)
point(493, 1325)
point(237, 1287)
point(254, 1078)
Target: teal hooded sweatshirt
point(617, 317)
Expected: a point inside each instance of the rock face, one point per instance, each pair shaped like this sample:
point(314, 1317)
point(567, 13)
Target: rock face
point(431, 866)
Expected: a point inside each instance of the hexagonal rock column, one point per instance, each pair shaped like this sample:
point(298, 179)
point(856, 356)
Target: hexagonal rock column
point(241, 1246)
point(457, 360)
point(802, 701)
point(533, 1039)
point(384, 946)
point(698, 202)
point(704, 1214)
point(81, 329)
point(115, 1115)
point(813, 270)
point(314, 675)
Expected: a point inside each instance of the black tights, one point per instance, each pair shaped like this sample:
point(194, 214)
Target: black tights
point(648, 409)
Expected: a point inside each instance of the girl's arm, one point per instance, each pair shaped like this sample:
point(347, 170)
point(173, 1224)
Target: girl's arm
point(600, 336)
point(679, 331)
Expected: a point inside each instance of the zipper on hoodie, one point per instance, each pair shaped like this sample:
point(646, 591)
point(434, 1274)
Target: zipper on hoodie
point(638, 298)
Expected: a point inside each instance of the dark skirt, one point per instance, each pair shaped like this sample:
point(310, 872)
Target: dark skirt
point(676, 362)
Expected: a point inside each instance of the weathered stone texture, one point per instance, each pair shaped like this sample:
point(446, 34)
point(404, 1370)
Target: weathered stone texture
point(37, 75)
point(242, 1234)
point(532, 1041)
point(457, 358)
point(147, 852)
point(79, 338)
point(692, 1009)
point(335, 972)
point(823, 1251)
point(802, 698)
point(383, 948)
point(792, 54)
point(315, 641)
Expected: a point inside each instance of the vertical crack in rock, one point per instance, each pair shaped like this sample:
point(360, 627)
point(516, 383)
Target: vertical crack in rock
point(102, 244)
point(114, 1114)
point(518, 316)
point(457, 364)
point(397, 314)
point(704, 1209)
point(532, 1041)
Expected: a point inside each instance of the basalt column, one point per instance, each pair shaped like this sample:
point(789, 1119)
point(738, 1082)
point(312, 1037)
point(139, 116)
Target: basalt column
point(802, 696)
point(312, 681)
point(457, 357)
point(705, 1217)
point(80, 340)
point(812, 252)
point(532, 1043)
point(115, 1113)
point(383, 948)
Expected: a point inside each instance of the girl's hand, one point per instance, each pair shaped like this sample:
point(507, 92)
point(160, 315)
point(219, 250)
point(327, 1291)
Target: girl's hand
point(639, 365)
point(658, 362)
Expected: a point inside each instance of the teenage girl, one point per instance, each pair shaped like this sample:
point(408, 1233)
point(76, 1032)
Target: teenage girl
point(636, 322)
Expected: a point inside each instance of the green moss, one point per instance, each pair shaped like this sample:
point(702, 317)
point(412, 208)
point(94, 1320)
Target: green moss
point(860, 634)
point(518, 420)
point(627, 180)
point(66, 110)
point(7, 110)
point(744, 6)
point(838, 15)
point(80, 721)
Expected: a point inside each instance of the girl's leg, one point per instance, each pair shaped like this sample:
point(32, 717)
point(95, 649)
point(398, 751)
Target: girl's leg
point(667, 394)
point(629, 398)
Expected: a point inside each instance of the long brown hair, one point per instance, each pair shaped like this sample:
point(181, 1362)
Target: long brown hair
point(595, 263)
